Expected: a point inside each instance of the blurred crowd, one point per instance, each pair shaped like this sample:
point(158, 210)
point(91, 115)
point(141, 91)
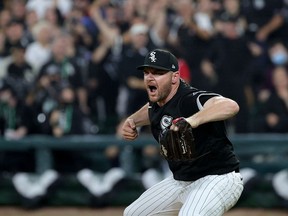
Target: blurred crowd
point(69, 67)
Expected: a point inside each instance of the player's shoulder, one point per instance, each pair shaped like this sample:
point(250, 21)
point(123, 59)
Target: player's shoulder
point(187, 90)
point(191, 96)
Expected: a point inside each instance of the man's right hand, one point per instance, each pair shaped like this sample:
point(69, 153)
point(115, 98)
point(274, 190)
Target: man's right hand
point(129, 130)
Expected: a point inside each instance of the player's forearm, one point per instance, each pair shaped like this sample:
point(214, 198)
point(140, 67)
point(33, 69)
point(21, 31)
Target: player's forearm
point(215, 109)
point(141, 117)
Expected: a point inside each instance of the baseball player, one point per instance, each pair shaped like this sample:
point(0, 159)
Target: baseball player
point(206, 179)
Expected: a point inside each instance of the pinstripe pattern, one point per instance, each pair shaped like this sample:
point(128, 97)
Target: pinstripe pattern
point(209, 196)
point(159, 197)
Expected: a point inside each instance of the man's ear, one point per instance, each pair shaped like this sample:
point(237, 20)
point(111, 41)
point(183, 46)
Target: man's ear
point(175, 77)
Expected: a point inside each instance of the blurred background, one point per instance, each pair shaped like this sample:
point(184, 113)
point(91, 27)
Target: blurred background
point(68, 79)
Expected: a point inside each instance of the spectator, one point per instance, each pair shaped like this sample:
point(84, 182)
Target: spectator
point(273, 113)
point(278, 54)
point(80, 55)
point(14, 35)
point(264, 19)
point(41, 100)
point(17, 9)
point(31, 19)
point(228, 67)
point(54, 17)
point(203, 17)
point(83, 13)
point(19, 73)
point(13, 120)
point(132, 55)
point(82, 35)
point(193, 31)
point(231, 10)
point(65, 70)
point(67, 119)
point(13, 126)
point(5, 18)
point(157, 22)
point(128, 11)
point(38, 113)
point(103, 82)
point(39, 52)
point(64, 6)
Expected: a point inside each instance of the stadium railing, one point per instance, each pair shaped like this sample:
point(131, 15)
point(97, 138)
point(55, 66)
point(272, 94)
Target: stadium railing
point(263, 152)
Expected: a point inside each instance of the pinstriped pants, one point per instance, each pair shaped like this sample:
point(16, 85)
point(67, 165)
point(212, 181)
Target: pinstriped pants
point(211, 195)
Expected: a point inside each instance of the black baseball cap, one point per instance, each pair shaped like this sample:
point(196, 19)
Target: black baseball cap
point(160, 59)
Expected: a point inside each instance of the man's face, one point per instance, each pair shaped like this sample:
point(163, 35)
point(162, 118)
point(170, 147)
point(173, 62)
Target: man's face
point(158, 84)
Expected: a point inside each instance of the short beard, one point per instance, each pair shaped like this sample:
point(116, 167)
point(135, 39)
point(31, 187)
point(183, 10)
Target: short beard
point(163, 93)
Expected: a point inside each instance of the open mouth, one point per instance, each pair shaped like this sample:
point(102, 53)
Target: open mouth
point(152, 88)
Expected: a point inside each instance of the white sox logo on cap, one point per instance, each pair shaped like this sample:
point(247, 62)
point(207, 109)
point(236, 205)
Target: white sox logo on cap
point(161, 60)
point(153, 57)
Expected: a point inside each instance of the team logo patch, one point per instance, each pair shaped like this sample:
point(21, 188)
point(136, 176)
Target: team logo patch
point(166, 122)
point(153, 57)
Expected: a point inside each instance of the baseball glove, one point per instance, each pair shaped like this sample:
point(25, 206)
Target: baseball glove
point(178, 145)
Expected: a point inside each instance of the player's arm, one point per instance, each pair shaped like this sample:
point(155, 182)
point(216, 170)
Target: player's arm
point(214, 109)
point(137, 119)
